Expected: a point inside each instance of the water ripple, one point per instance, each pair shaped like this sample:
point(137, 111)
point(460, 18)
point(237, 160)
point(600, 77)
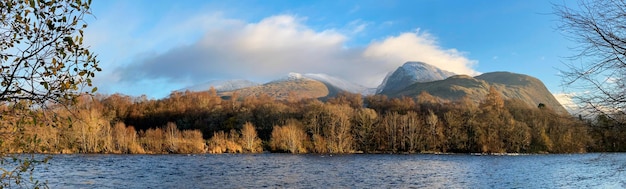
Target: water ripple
point(337, 171)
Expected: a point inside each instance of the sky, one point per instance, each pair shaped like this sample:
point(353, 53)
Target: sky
point(154, 47)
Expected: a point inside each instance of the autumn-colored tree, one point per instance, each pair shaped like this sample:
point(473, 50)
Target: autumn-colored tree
point(456, 131)
point(351, 99)
point(415, 141)
point(364, 121)
point(493, 121)
point(191, 141)
point(289, 138)
point(493, 101)
point(92, 131)
point(338, 129)
point(153, 140)
point(222, 142)
point(435, 132)
point(250, 142)
point(172, 135)
point(389, 131)
point(42, 55)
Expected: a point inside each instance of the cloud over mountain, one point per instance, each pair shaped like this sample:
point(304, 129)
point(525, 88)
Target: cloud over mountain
point(420, 47)
point(277, 45)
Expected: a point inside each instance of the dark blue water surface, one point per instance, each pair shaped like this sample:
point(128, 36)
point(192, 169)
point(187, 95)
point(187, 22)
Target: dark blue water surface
point(336, 171)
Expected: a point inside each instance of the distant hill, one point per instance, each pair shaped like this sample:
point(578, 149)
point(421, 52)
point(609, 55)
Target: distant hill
point(302, 86)
point(511, 85)
point(281, 89)
point(221, 85)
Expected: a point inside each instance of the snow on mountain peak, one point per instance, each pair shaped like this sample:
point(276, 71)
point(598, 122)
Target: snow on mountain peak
point(294, 76)
point(222, 85)
point(412, 72)
point(340, 83)
point(329, 80)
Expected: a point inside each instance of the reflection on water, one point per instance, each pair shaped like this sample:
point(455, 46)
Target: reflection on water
point(336, 171)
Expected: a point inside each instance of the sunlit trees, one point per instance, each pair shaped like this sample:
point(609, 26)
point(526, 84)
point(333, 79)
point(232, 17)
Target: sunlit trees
point(125, 139)
point(171, 140)
point(42, 57)
point(250, 141)
point(171, 137)
point(338, 129)
point(191, 141)
point(234, 142)
point(289, 138)
point(152, 140)
point(91, 131)
point(302, 126)
point(222, 142)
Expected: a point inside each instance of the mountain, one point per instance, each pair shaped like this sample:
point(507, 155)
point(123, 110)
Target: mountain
point(294, 84)
point(222, 85)
point(511, 85)
point(340, 84)
point(409, 73)
point(303, 86)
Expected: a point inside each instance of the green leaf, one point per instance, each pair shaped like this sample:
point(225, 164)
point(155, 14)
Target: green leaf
point(94, 89)
point(45, 85)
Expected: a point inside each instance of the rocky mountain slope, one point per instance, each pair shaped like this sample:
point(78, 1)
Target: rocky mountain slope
point(511, 85)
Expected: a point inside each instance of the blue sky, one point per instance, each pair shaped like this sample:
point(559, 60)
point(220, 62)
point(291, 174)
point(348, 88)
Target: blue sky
point(154, 47)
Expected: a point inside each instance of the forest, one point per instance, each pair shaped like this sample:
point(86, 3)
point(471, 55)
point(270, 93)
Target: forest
point(203, 122)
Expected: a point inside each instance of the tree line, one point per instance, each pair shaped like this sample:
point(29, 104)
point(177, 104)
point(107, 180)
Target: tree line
point(198, 122)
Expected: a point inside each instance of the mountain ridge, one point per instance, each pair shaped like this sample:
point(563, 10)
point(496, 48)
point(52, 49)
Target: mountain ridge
point(410, 79)
point(510, 85)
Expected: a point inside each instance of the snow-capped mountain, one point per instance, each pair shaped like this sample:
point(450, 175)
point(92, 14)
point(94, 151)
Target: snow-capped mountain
point(292, 76)
point(412, 72)
point(340, 83)
point(330, 81)
point(222, 85)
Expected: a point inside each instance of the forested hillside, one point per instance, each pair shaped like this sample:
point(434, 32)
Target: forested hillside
point(198, 122)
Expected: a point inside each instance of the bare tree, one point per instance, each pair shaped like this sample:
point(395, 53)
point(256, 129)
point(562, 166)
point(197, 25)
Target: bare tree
point(598, 69)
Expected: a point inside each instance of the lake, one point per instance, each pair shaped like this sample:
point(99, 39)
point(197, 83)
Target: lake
point(594, 170)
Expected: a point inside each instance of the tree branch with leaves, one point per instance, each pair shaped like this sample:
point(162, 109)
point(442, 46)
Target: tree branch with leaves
point(43, 60)
point(42, 52)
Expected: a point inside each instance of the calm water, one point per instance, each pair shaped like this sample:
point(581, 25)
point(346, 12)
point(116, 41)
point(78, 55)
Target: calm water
point(338, 171)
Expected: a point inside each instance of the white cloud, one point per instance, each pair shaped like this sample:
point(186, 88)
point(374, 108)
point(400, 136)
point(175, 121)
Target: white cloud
point(420, 46)
point(271, 48)
point(357, 26)
point(568, 103)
